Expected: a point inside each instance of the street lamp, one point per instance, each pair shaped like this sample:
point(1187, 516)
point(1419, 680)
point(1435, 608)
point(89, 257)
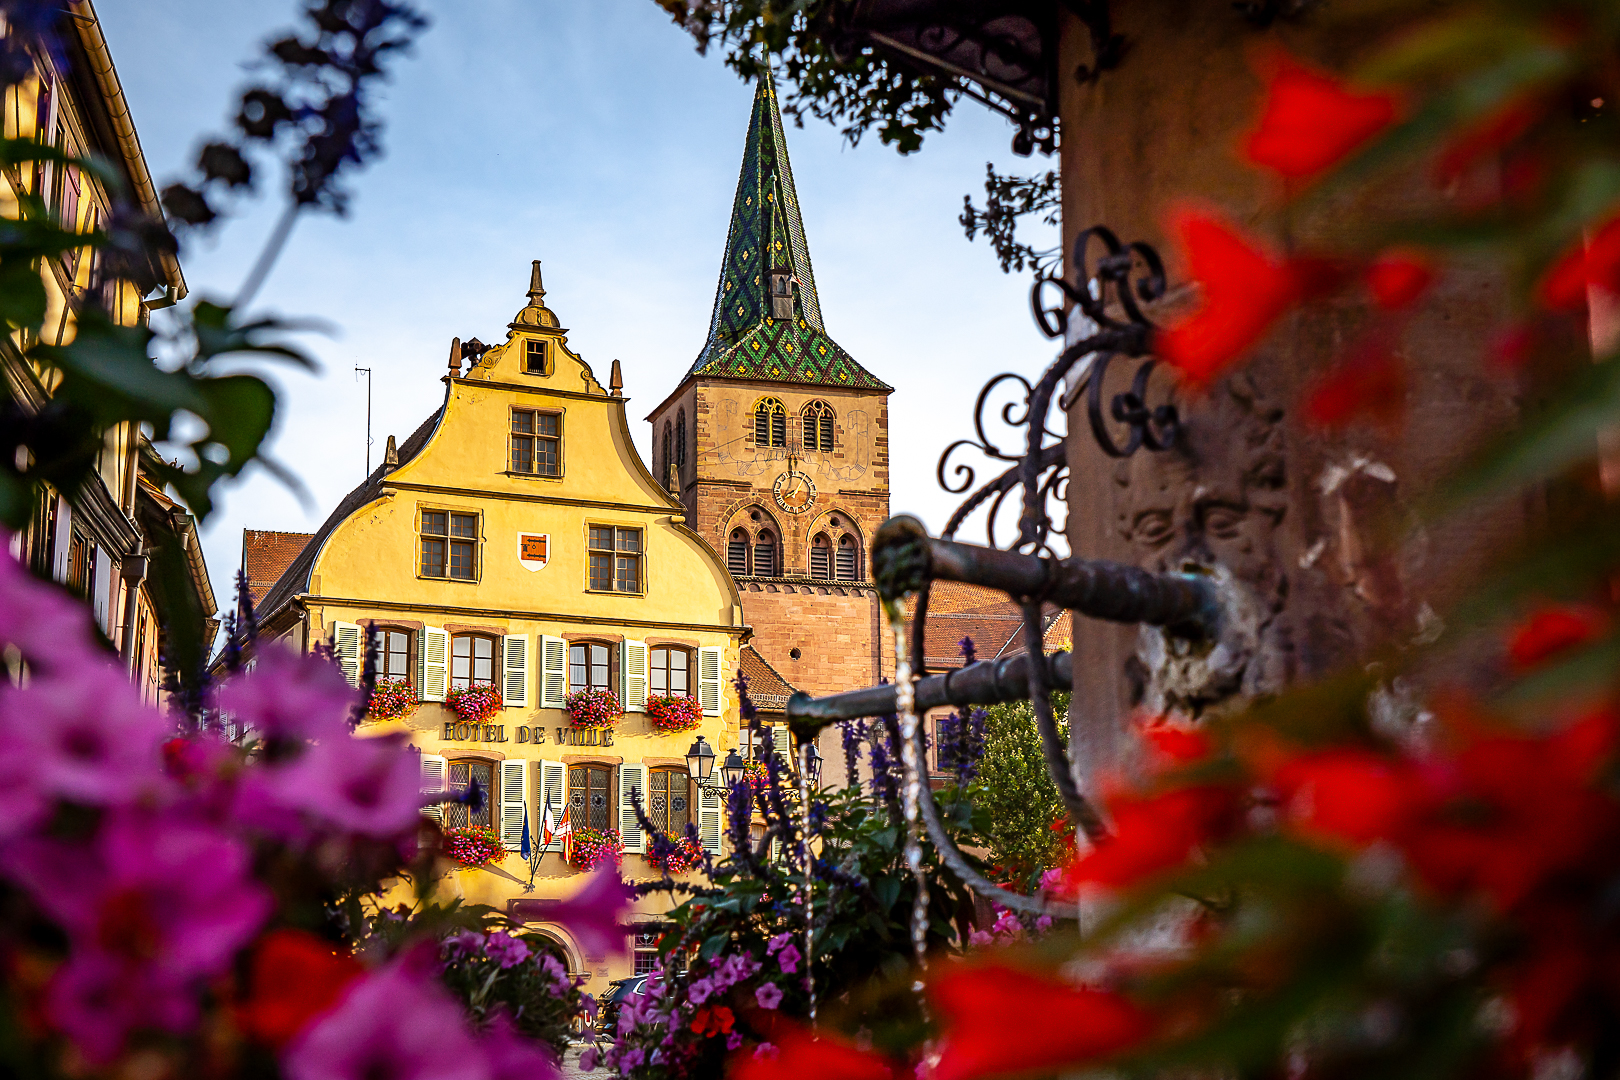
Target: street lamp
point(812, 760)
point(700, 761)
point(732, 769)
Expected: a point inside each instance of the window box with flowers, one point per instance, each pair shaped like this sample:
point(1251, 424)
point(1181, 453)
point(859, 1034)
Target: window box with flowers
point(391, 699)
point(671, 713)
point(594, 708)
point(474, 704)
point(474, 845)
point(684, 854)
point(595, 847)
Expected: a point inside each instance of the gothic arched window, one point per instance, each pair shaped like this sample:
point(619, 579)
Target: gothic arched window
point(818, 427)
point(765, 554)
point(849, 558)
point(667, 458)
point(821, 557)
point(737, 553)
point(770, 423)
point(680, 439)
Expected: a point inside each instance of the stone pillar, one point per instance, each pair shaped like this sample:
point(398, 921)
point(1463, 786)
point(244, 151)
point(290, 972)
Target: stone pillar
point(1299, 517)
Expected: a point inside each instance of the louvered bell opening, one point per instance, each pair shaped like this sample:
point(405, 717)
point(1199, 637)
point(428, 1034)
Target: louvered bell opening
point(847, 561)
point(765, 556)
point(737, 553)
point(821, 559)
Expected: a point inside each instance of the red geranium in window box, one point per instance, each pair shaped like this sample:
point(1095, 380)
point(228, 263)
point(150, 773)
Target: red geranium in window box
point(594, 708)
point(474, 704)
point(391, 699)
point(474, 845)
point(688, 854)
point(592, 847)
point(670, 713)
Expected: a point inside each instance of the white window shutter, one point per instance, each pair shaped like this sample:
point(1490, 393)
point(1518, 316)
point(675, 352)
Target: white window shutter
point(553, 793)
point(435, 665)
point(346, 638)
point(515, 803)
point(515, 671)
point(633, 675)
point(782, 742)
point(709, 680)
point(435, 774)
point(711, 821)
point(632, 777)
point(553, 672)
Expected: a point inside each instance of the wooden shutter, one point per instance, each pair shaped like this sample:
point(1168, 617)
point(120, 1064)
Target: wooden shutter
point(711, 820)
point(346, 638)
point(435, 773)
point(553, 672)
point(632, 777)
point(433, 663)
point(515, 803)
point(515, 670)
point(709, 680)
point(553, 793)
point(633, 675)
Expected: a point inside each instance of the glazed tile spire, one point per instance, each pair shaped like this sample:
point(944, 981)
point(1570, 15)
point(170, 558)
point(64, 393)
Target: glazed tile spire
point(767, 232)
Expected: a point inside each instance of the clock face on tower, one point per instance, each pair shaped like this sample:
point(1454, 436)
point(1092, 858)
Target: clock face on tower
point(794, 492)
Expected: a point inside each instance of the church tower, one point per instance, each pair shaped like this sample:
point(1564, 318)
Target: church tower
point(777, 439)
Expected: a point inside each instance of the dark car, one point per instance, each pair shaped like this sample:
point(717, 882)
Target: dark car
point(612, 1000)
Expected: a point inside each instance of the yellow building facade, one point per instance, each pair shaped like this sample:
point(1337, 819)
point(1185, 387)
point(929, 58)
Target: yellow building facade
point(517, 541)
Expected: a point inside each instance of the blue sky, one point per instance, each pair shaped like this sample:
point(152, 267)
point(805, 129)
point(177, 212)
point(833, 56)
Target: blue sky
point(593, 137)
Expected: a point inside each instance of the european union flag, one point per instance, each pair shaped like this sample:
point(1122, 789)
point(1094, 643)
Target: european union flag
point(524, 849)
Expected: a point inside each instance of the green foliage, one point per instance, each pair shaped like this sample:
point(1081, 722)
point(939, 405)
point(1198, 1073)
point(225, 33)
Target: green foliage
point(855, 88)
point(1015, 795)
point(1006, 200)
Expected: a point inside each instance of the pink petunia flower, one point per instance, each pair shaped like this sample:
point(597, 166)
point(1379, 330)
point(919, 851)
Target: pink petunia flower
point(396, 1023)
point(506, 950)
point(513, 1057)
point(592, 914)
point(789, 957)
point(769, 995)
point(290, 694)
point(87, 738)
point(97, 1000)
point(369, 786)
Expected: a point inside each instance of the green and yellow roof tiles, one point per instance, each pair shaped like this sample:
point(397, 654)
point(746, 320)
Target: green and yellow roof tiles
point(767, 231)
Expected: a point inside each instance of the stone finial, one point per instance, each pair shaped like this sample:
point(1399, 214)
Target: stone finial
point(455, 356)
point(673, 482)
point(616, 381)
point(391, 455)
point(537, 291)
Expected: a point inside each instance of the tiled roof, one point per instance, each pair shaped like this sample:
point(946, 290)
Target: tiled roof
point(994, 622)
point(295, 579)
point(266, 554)
point(766, 687)
point(767, 231)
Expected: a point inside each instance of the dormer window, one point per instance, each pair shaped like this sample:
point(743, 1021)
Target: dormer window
point(536, 358)
point(536, 442)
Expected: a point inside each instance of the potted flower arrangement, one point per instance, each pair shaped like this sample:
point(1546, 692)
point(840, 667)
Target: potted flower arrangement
point(594, 708)
point(756, 775)
point(475, 704)
point(686, 855)
point(670, 713)
point(391, 699)
point(474, 845)
point(593, 847)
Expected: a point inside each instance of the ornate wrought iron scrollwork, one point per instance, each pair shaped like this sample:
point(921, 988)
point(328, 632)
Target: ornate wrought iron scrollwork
point(1123, 278)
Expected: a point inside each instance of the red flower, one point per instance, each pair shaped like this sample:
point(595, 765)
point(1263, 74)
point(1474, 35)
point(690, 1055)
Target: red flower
point(1350, 795)
point(709, 1022)
point(1551, 630)
point(1150, 834)
point(1590, 261)
point(805, 1056)
point(295, 976)
point(1245, 290)
point(1312, 121)
point(1398, 280)
point(1177, 742)
point(1371, 384)
point(1002, 1020)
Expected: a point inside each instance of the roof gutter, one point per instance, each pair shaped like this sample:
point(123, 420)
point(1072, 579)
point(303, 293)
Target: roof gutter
point(94, 42)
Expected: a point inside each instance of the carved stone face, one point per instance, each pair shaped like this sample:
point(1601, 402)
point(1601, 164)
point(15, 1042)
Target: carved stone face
point(1204, 503)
